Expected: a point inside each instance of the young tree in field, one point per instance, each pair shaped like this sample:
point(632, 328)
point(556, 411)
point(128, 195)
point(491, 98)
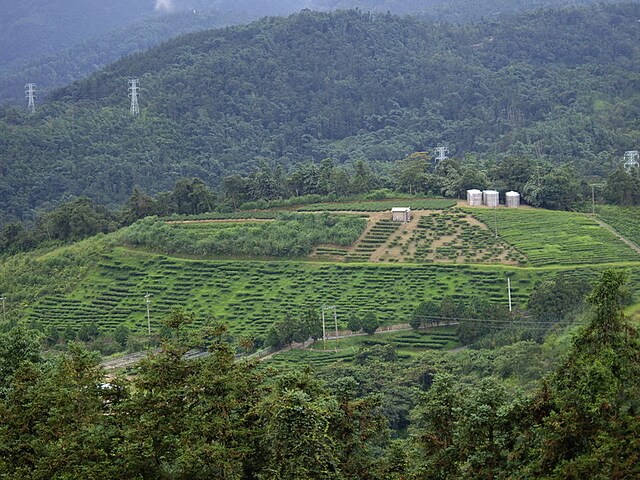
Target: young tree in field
point(370, 323)
point(426, 313)
point(354, 324)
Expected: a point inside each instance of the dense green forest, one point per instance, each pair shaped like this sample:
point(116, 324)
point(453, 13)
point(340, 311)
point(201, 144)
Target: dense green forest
point(71, 64)
point(565, 408)
point(349, 86)
point(55, 40)
point(31, 28)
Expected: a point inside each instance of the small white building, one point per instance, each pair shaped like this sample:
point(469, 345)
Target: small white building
point(491, 198)
point(474, 197)
point(512, 199)
point(401, 214)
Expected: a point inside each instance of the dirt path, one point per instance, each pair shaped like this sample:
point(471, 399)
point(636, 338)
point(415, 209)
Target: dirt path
point(605, 225)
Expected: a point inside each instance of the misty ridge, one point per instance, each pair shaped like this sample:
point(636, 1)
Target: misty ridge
point(53, 43)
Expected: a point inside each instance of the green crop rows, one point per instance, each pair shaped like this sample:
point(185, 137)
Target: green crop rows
point(556, 238)
point(374, 238)
point(626, 220)
point(251, 295)
point(460, 241)
point(406, 343)
point(382, 205)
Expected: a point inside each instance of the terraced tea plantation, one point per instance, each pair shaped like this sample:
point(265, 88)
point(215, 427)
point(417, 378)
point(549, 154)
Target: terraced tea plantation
point(407, 344)
point(450, 236)
point(375, 237)
point(251, 295)
point(381, 205)
point(626, 220)
point(556, 238)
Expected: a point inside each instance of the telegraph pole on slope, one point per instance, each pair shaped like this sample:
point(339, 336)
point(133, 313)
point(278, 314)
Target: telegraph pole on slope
point(148, 301)
point(324, 325)
point(593, 196)
point(324, 332)
point(4, 311)
point(509, 288)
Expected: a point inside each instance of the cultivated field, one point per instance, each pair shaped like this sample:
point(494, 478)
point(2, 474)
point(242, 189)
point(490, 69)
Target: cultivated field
point(381, 205)
point(448, 237)
point(625, 220)
point(556, 238)
point(406, 343)
point(251, 295)
point(389, 269)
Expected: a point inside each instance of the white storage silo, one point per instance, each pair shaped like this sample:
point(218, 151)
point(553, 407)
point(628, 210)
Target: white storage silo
point(490, 198)
point(474, 197)
point(512, 199)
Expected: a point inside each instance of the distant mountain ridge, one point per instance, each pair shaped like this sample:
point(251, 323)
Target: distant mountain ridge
point(55, 42)
point(349, 86)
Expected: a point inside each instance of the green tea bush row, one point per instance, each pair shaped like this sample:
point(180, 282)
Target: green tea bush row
point(625, 220)
point(381, 206)
point(556, 238)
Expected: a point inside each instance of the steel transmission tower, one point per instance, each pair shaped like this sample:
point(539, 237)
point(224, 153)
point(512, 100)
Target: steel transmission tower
point(441, 153)
point(30, 94)
point(134, 88)
point(631, 160)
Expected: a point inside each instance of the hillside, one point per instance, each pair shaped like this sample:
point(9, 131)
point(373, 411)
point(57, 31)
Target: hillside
point(249, 272)
point(31, 28)
point(350, 86)
point(58, 42)
point(62, 67)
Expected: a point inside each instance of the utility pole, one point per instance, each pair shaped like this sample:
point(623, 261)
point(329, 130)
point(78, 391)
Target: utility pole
point(4, 311)
point(509, 289)
point(30, 94)
point(495, 221)
point(148, 301)
point(324, 327)
point(134, 89)
point(593, 196)
point(324, 332)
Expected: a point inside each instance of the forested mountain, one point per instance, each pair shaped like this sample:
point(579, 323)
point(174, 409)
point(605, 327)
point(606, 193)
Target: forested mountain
point(63, 67)
point(57, 43)
point(30, 28)
point(347, 85)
